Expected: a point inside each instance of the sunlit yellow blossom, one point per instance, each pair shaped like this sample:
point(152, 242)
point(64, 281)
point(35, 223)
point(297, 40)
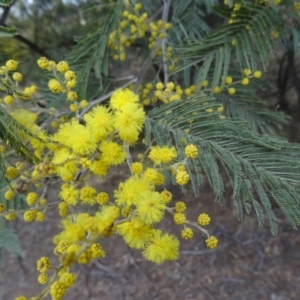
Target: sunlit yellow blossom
point(99, 167)
point(9, 100)
point(55, 86)
point(137, 168)
point(63, 209)
point(43, 278)
point(68, 279)
point(11, 172)
point(151, 175)
point(17, 76)
point(66, 165)
point(180, 207)
point(150, 207)
point(43, 63)
point(88, 195)
point(162, 247)
point(106, 218)
point(102, 198)
point(72, 96)
point(57, 290)
point(121, 97)
point(100, 122)
point(191, 151)
point(162, 154)
point(129, 121)
point(29, 215)
point(182, 177)
point(9, 195)
point(77, 137)
point(179, 218)
point(62, 67)
point(128, 191)
point(11, 65)
point(32, 198)
point(135, 233)
point(69, 194)
point(187, 233)
point(72, 232)
point(70, 75)
point(204, 219)
point(112, 153)
point(43, 264)
point(211, 242)
point(166, 196)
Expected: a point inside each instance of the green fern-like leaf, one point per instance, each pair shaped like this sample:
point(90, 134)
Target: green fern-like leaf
point(9, 134)
point(253, 42)
point(264, 164)
point(6, 2)
point(10, 241)
point(90, 55)
point(8, 31)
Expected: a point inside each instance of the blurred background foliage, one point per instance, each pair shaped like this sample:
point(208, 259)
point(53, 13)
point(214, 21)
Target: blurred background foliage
point(47, 29)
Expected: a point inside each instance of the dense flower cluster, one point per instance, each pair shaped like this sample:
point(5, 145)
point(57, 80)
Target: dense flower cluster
point(95, 140)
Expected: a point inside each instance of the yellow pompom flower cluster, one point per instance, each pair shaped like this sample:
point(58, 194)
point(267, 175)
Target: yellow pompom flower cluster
point(182, 177)
point(32, 198)
point(12, 79)
point(187, 233)
point(132, 26)
point(204, 219)
point(9, 195)
point(162, 247)
point(211, 242)
point(179, 218)
point(30, 215)
point(64, 81)
point(43, 264)
point(102, 198)
point(136, 168)
point(180, 207)
point(42, 278)
point(163, 154)
point(168, 93)
point(191, 151)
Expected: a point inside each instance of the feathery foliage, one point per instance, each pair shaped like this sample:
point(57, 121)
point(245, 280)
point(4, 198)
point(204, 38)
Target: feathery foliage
point(8, 31)
point(90, 56)
point(268, 165)
point(10, 131)
point(9, 241)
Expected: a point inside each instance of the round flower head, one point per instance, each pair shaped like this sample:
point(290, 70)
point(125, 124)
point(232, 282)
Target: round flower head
point(62, 67)
point(122, 97)
point(162, 247)
point(11, 65)
point(150, 207)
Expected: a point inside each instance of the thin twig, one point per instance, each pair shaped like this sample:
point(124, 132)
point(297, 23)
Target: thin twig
point(145, 66)
point(30, 208)
point(164, 40)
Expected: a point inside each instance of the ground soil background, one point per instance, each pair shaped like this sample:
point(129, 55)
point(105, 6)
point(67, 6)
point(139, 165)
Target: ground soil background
point(249, 263)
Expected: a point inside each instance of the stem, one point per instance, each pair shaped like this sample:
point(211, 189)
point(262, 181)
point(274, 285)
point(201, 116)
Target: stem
point(30, 208)
point(163, 43)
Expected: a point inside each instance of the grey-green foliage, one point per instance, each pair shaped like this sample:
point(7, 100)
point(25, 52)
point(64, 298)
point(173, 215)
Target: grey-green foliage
point(10, 131)
point(7, 31)
point(90, 55)
point(9, 240)
point(188, 19)
point(258, 166)
point(246, 43)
